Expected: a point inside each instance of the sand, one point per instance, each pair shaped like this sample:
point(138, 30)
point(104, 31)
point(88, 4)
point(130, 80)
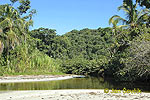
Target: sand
point(34, 78)
point(70, 95)
point(80, 94)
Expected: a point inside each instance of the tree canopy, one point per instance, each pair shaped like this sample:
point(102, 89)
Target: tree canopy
point(121, 52)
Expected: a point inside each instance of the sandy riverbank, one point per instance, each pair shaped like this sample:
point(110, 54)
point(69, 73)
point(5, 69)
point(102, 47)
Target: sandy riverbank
point(70, 95)
point(34, 78)
point(86, 94)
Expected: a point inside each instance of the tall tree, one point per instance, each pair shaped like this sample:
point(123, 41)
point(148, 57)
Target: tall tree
point(13, 28)
point(134, 17)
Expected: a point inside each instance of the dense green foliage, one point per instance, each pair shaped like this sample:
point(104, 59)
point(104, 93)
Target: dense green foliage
point(122, 52)
point(103, 51)
point(85, 48)
point(18, 53)
point(96, 52)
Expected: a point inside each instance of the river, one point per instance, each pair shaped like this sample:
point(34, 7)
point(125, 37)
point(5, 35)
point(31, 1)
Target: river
point(75, 83)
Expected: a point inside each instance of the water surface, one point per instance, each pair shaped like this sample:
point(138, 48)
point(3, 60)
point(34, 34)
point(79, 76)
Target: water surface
point(75, 83)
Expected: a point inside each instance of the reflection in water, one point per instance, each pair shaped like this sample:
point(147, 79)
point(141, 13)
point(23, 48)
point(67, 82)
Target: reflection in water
point(144, 86)
point(76, 83)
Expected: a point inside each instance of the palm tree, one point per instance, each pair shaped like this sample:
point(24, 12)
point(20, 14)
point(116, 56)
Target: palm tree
point(7, 21)
point(8, 15)
point(134, 17)
point(13, 28)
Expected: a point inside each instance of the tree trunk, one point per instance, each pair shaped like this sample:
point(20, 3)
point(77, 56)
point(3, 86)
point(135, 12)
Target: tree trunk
point(1, 47)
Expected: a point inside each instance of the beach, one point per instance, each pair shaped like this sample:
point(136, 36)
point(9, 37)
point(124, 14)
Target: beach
point(69, 94)
point(34, 78)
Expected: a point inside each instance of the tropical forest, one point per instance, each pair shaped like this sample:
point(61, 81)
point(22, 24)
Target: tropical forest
point(121, 51)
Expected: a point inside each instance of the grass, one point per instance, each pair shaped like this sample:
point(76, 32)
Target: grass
point(24, 62)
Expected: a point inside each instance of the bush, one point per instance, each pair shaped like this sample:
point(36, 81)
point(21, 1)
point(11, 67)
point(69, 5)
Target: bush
point(137, 62)
point(82, 66)
point(25, 61)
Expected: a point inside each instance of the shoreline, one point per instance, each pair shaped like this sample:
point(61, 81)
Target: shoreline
point(85, 94)
point(34, 78)
point(64, 94)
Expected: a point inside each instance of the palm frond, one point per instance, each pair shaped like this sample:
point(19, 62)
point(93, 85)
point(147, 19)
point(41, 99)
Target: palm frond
point(122, 26)
point(124, 8)
point(6, 23)
point(119, 19)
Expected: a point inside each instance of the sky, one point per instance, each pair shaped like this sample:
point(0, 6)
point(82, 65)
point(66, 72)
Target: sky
point(66, 15)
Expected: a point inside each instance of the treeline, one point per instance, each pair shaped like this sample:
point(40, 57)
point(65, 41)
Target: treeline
point(98, 52)
point(81, 52)
point(121, 52)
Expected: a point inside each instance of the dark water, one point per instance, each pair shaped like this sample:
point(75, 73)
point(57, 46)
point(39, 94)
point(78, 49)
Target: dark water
point(76, 83)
